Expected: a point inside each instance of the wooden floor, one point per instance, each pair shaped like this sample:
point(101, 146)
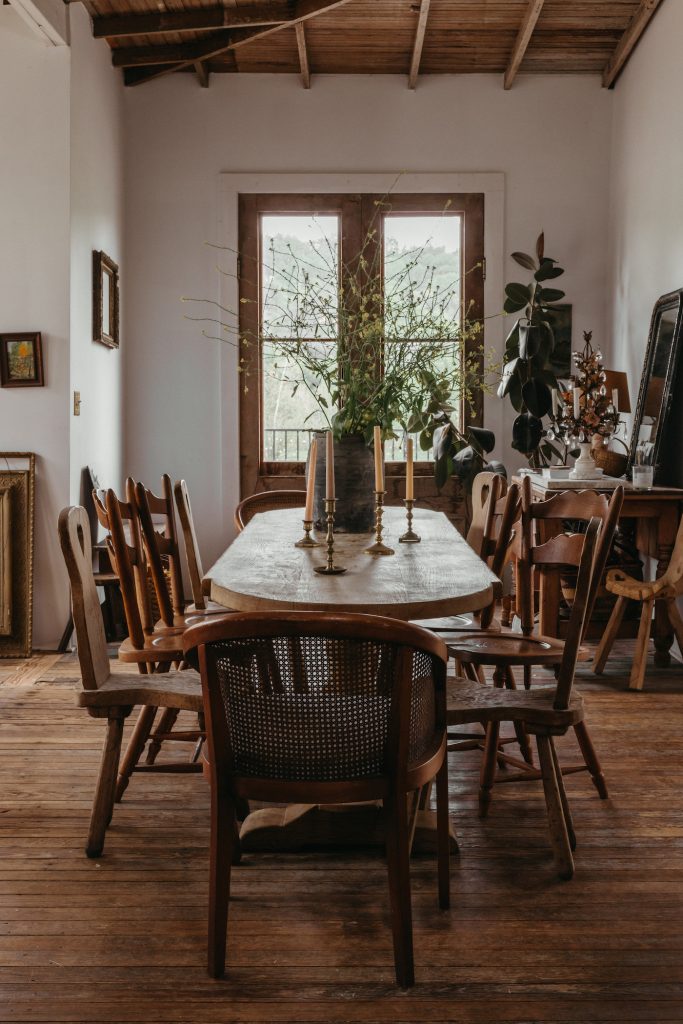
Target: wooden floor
point(122, 939)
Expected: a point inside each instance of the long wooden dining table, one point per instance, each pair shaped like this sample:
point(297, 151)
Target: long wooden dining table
point(263, 570)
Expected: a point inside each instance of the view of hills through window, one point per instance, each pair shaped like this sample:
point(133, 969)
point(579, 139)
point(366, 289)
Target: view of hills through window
point(301, 268)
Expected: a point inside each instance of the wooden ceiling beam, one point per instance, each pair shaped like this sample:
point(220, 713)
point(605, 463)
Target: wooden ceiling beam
point(198, 20)
point(628, 42)
point(202, 73)
point(522, 41)
point(303, 10)
point(303, 54)
point(418, 44)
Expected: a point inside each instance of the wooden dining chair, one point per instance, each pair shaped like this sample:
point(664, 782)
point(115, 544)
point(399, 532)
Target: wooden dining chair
point(667, 588)
point(505, 650)
point(152, 649)
point(163, 555)
point(323, 708)
point(266, 501)
point(545, 712)
point(108, 696)
point(199, 586)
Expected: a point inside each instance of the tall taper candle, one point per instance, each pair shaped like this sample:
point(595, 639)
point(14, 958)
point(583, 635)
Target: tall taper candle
point(577, 406)
point(615, 399)
point(553, 401)
point(409, 469)
point(310, 483)
point(329, 466)
point(379, 475)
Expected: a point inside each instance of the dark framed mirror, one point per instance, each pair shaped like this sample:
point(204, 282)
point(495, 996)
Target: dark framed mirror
point(657, 384)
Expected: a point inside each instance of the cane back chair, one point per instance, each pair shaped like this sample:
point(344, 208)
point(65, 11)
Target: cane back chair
point(105, 695)
point(323, 708)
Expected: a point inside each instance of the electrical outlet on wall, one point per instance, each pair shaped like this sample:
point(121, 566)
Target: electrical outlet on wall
point(77, 403)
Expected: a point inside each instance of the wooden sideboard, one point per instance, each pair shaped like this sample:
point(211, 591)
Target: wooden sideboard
point(655, 515)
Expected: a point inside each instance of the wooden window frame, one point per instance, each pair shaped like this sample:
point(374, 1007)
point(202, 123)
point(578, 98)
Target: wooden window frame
point(356, 212)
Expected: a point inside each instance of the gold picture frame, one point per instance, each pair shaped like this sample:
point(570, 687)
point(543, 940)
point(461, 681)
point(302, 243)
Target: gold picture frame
point(105, 300)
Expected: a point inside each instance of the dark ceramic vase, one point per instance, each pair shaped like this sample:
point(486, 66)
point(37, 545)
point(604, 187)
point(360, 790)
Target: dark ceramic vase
point(354, 479)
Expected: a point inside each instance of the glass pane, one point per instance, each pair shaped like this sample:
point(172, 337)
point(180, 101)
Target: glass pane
point(422, 275)
point(423, 301)
point(290, 410)
point(299, 276)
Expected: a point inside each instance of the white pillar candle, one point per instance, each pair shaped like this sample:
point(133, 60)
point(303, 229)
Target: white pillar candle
point(409, 470)
point(310, 483)
point(577, 407)
point(615, 399)
point(553, 407)
point(379, 474)
point(329, 466)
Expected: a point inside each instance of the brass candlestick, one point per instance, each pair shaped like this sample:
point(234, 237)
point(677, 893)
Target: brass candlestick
point(330, 569)
point(378, 548)
point(307, 541)
point(409, 537)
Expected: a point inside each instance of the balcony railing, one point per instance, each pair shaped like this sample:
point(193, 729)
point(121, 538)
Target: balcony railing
point(291, 444)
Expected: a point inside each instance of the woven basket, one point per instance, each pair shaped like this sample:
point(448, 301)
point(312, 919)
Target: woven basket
point(610, 462)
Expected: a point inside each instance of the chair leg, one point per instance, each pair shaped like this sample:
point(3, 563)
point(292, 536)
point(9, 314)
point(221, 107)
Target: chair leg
point(568, 820)
point(103, 803)
point(166, 723)
point(398, 867)
point(591, 758)
point(609, 636)
point(640, 657)
point(558, 829)
point(443, 836)
point(223, 833)
point(136, 744)
point(487, 775)
point(519, 727)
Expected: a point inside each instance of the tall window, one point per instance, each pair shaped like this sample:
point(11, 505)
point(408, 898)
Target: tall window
point(424, 246)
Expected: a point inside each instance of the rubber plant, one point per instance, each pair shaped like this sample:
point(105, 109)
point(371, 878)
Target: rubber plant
point(528, 378)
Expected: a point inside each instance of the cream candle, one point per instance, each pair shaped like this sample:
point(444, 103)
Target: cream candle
point(310, 483)
point(577, 407)
point(615, 399)
point(553, 399)
point(409, 470)
point(379, 473)
point(329, 466)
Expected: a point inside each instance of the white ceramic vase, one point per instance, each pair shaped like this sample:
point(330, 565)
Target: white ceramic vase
point(584, 467)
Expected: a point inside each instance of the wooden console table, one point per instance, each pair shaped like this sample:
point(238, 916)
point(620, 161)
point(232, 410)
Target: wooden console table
point(656, 514)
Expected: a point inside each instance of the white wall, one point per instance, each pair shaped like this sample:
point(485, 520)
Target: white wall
point(547, 135)
point(96, 223)
point(646, 214)
point(34, 284)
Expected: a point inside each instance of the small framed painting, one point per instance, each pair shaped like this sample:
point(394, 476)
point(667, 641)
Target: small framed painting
point(105, 300)
point(21, 360)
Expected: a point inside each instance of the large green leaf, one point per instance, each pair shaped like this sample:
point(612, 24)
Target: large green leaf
point(441, 471)
point(525, 261)
point(508, 371)
point(527, 431)
point(537, 397)
point(518, 296)
point(529, 340)
point(540, 247)
point(548, 271)
point(485, 439)
point(515, 393)
point(442, 440)
point(464, 462)
point(497, 467)
point(550, 295)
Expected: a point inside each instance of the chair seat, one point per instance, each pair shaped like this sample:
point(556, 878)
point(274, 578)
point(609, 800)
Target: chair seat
point(469, 702)
point(620, 583)
point(157, 648)
point(502, 648)
point(455, 625)
point(182, 690)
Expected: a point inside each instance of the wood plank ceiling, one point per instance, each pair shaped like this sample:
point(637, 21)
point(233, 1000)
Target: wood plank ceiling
point(150, 38)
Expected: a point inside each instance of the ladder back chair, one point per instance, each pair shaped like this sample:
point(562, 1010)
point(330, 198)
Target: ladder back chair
point(104, 695)
point(667, 588)
point(266, 501)
point(546, 711)
point(323, 708)
point(163, 554)
point(153, 650)
point(200, 587)
point(505, 650)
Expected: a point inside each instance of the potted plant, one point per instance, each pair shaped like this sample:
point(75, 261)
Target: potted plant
point(528, 378)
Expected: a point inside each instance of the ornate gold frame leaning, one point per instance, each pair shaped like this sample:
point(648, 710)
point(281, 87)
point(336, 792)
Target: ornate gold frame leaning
point(17, 514)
